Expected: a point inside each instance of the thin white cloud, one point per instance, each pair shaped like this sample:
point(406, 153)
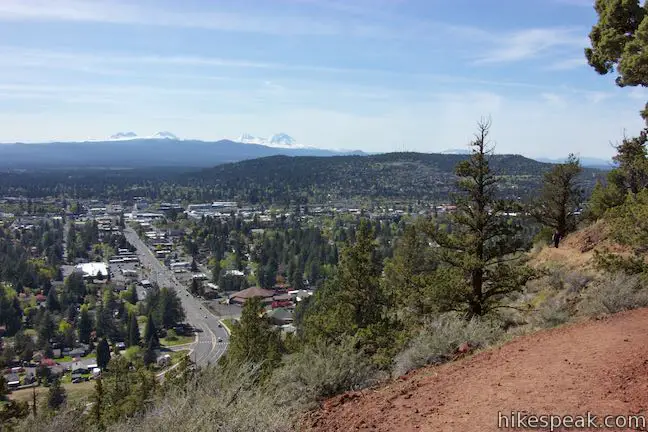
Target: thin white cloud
point(110, 63)
point(568, 64)
point(119, 12)
point(531, 43)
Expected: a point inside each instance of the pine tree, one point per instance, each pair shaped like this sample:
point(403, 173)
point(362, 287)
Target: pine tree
point(149, 354)
point(482, 254)
point(216, 272)
point(46, 329)
point(253, 339)
point(103, 354)
point(52, 302)
point(560, 197)
point(133, 331)
point(56, 395)
point(97, 406)
point(85, 325)
point(408, 275)
point(150, 333)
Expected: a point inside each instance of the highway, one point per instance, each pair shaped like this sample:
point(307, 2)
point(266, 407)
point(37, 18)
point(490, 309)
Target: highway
point(207, 349)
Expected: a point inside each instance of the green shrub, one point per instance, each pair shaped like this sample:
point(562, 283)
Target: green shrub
point(613, 263)
point(440, 339)
point(616, 293)
point(553, 313)
point(321, 371)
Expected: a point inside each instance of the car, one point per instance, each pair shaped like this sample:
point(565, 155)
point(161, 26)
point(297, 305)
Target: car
point(220, 339)
point(205, 316)
point(220, 325)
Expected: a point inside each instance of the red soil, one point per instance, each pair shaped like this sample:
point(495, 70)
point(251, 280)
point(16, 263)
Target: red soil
point(599, 366)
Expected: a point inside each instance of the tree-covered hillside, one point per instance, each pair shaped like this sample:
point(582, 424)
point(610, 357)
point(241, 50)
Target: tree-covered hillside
point(286, 180)
point(392, 175)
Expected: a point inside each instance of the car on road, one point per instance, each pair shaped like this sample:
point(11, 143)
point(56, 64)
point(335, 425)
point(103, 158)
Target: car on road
point(220, 339)
point(205, 316)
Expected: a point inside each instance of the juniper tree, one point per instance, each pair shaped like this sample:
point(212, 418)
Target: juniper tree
point(482, 252)
point(560, 196)
point(620, 42)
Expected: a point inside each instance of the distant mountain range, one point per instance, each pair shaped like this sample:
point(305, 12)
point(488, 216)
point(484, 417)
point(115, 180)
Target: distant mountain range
point(129, 150)
point(589, 162)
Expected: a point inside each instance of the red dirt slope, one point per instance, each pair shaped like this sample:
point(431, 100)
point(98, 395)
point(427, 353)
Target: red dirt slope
point(598, 366)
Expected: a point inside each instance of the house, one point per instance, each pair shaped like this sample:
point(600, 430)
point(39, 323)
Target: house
point(79, 368)
point(280, 316)
point(77, 352)
point(241, 296)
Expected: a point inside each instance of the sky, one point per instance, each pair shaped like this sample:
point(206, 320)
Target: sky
point(375, 75)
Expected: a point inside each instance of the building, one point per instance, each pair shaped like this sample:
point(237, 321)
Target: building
point(183, 265)
point(92, 269)
point(241, 297)
point(280, 316)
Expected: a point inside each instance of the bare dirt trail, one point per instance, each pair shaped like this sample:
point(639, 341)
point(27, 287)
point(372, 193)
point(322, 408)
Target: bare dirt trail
point(599, 366)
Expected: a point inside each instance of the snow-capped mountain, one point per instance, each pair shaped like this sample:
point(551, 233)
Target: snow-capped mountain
point(164, 135)
point(280, 140)
point(123, 136)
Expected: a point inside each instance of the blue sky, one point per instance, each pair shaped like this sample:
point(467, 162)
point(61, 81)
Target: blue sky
point(377, 75)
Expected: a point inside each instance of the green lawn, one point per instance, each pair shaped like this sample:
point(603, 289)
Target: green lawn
point(68, 359)
point(229, 324)
point(177, 340)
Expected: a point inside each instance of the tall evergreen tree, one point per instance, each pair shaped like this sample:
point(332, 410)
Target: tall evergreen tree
point(85, 325)
point(56, 395)
point(254, 340)
point(483, 252)
point(150, 333)
point(408, 275)
point(52, 302)
point(103, 354)
point(560, 197)
point(216, 272)
point(353, 304)
point(46, 329)
point(133, 330)
point(98, 403)
point(149, 353)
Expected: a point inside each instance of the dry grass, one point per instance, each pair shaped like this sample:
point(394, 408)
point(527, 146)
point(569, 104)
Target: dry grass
point(75, 392)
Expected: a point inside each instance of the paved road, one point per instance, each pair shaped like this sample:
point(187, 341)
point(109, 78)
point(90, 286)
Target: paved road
point(207, 349)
